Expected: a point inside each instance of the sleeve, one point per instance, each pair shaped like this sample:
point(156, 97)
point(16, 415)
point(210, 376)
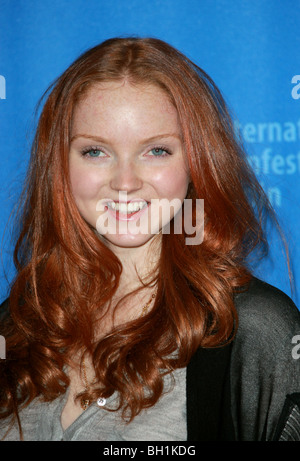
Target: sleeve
point(288, 428)
point(265, 366)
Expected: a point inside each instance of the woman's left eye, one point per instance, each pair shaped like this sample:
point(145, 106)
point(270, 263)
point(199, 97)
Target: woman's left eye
point(160, 152)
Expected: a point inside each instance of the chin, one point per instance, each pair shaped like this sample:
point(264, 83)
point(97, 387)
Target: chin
point(127, 241)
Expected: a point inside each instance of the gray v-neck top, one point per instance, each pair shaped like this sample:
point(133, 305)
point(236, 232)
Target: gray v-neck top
point(166, 421)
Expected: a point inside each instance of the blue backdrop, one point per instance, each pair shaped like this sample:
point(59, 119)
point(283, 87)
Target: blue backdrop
point(250, 48)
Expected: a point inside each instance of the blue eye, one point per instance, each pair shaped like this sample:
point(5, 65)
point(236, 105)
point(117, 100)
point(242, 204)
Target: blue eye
point(93, 153)
point(160, 152)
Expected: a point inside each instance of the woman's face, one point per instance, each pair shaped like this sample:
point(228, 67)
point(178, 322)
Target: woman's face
point(127, 164)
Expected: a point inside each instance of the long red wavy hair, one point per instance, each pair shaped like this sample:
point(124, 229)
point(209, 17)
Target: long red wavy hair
point(66, 275)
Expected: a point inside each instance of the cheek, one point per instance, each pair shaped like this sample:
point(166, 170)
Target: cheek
point(85, 183)
point(173, 183)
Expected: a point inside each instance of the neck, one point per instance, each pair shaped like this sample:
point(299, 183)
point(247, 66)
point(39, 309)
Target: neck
point(139, 264)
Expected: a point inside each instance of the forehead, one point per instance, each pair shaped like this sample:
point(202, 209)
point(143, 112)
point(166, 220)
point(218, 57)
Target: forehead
point(111, 106)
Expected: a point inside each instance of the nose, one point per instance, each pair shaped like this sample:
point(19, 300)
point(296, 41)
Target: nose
point(126, 178)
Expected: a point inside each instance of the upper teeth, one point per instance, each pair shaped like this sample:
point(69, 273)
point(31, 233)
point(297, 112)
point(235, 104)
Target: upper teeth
point(127, 207)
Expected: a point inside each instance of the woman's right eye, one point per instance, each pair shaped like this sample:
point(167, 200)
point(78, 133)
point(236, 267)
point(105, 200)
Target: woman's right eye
point(93, 153)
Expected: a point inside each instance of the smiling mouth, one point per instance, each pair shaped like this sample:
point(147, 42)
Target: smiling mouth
point(127, 208)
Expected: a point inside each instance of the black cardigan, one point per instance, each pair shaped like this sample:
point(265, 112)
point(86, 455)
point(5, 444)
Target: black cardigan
point(212, 414)
point(208, 396)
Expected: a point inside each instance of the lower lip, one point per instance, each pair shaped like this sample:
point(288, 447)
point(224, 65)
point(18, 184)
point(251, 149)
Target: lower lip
point(127, 216)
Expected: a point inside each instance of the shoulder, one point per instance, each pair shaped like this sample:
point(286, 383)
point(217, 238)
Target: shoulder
point(268, 318)
point(260, 295)
point(263, 308)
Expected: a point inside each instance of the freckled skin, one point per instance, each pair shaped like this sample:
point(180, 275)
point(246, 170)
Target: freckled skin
point(125, 116)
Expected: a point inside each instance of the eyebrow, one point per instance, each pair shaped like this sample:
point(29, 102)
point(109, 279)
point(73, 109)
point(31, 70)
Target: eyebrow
point(144, 141)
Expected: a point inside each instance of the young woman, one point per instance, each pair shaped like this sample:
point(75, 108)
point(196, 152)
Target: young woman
point(119, 327)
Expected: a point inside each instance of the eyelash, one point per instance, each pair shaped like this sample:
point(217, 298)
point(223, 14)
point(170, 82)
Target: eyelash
point(87, 150)
point(165, 149)
point(84, 152)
